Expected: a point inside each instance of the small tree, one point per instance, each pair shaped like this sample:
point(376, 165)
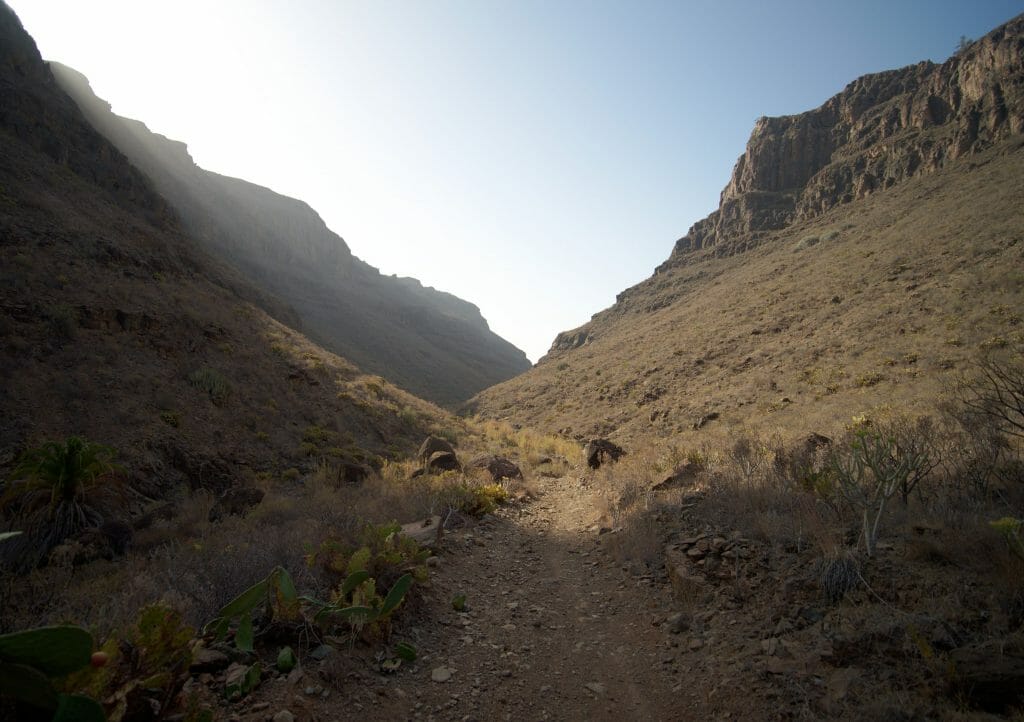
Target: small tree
point(995, 394)
point(963, 44)
point(870, 471)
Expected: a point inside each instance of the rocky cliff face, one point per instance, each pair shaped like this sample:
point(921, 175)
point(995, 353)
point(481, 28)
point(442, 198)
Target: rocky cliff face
point(427, 341)
point(879, 131)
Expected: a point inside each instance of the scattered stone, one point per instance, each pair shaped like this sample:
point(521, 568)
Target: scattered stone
point(597, 451)
point(443, 461)
point(696, 643)
point(353, 472)
point(499, 467)
point(208, 660)
point(688, 589)
point(595, 687)
point(284, 716)
point(703, 420)
point(683, 475)
point(441, 674)
point(679, 622)
point(992, 673)
point(816, 441)
point(322, 652)
point(431, 445)
point(838, 684)
point(425, 532)
point(235, 502)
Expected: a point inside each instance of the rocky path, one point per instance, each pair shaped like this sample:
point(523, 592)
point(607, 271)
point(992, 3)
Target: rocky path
point(553, 629)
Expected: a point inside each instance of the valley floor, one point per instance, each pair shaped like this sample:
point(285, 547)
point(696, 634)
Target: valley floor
point(554, 629)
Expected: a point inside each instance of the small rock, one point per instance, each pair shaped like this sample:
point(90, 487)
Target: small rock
point(433, 561)
point(696, 643)
point(441, 674)
point(284, 716)
point(208, 660)
point(595, 687)
point(322, 652)
point(679, 623)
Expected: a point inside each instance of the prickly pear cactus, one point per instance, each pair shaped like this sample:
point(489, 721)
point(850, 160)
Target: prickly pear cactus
point(54, 651)
point(31, 660)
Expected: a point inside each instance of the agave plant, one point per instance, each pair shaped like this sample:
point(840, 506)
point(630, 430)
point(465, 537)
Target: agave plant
point(54, 488)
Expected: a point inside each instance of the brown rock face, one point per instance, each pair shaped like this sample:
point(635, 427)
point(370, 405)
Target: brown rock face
point(880, 130)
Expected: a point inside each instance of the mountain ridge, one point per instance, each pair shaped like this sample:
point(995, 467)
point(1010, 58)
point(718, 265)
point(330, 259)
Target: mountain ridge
point(116, 325)
point(903, 236)
point(428, 341)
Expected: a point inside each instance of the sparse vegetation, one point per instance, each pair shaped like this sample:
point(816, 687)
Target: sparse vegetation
point(213, 383)
point(55, 491)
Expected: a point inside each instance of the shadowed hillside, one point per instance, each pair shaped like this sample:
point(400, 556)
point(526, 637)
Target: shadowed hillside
point(116, 325)
point(863, 253)
point(427, 341)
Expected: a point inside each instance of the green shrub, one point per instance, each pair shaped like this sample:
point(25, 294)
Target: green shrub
point(1013, 531)
point(872, 378)
point(806, 242)
point(63, 321)
point(171, 418)
point(53, 492)
point(212, 382)
point(408, 416)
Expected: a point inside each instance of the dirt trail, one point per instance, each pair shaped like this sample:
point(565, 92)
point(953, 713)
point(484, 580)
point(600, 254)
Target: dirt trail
point(554, 630)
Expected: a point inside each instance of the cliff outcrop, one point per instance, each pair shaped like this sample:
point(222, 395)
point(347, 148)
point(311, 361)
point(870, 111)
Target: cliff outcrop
point(879, 131)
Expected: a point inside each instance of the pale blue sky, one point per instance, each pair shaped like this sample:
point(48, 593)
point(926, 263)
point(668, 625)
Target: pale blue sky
point(535, 157)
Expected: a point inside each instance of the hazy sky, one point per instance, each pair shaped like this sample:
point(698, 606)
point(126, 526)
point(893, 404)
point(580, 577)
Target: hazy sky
point(533, 157)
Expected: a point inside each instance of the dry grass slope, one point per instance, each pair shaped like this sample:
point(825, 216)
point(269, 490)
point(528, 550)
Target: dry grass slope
point(881, 301)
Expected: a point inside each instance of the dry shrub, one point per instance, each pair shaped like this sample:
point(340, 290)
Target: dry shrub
point(501, 438)
point(626, 502)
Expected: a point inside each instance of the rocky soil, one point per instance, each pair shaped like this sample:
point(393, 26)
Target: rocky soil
point(554, 628)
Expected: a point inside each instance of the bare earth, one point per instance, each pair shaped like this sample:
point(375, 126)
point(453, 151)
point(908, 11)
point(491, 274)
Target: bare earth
point(553, 629)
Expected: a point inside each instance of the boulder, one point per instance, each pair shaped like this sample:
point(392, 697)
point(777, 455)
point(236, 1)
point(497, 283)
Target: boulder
point(813, 442)
point(499, 467)
point(689, 589)
point(991, 673)
point(443, 461)
point(597, 451)
point(684, 475)
point(426, 533)
point(236, 502)
point(430, 446)
point(701, 421)
point(353, 472)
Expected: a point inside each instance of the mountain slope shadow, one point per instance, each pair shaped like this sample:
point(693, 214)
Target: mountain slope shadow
point(431, 343)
